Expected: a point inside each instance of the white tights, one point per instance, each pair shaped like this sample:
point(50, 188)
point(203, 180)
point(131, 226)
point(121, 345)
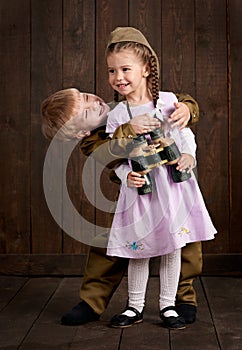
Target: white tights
point(138, 273)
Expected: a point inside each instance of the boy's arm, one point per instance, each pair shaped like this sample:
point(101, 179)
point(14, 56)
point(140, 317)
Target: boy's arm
point(109, 152)
point(192, 105)
point(112, 152)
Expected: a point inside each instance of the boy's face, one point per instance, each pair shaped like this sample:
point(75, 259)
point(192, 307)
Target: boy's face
point(92, 114)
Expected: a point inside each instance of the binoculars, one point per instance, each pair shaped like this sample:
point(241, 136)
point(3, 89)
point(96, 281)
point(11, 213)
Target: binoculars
point(151, 150)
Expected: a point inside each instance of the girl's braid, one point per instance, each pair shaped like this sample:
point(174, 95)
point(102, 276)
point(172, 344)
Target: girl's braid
point(154, 79)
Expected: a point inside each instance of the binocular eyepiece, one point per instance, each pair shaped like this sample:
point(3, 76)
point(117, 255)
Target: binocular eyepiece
point(153, 150)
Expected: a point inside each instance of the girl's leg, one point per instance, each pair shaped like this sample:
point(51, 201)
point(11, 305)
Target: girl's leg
point(170, 267)
point(138, 273)
point(169, 276)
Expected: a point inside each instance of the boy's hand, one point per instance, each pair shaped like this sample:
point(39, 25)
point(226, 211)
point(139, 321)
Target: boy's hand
point(180, 117)
point(135, 180)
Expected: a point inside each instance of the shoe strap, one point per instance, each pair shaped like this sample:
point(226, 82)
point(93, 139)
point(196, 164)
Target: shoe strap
point(168, 308)
point(137, 313)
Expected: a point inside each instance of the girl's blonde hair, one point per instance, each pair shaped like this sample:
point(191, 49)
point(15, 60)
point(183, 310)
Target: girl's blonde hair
point(57, 110)
point(145, 55)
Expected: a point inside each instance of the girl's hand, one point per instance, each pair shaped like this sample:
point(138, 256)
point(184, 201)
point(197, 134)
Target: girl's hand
point(186, 162)
point(180, 117)
point(144, 123)
point(135, 180)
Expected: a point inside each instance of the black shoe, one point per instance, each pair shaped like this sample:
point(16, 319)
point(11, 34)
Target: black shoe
point(172, 322)
point(123, 321)
point(188, 312)
point(80, 314)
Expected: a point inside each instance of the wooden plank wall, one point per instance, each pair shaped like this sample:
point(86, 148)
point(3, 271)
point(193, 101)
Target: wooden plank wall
point(53, 44)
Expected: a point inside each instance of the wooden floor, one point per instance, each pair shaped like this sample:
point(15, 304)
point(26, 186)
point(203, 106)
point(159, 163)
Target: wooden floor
point(30, 310)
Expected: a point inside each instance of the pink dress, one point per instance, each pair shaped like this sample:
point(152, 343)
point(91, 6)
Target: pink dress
point(173, 215)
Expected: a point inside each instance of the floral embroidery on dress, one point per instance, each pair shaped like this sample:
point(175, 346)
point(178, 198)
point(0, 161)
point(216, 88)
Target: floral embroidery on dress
point(135, 246)
point(183, 230)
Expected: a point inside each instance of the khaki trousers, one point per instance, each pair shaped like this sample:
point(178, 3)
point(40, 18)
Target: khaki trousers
point(104, 273)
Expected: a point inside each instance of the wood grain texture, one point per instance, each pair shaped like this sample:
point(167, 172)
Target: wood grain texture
point(74, 264)
point(46, 71)
point(15, 127)
point(178, 46)
point(235, 124)
point(35, 313)
point(212, 130)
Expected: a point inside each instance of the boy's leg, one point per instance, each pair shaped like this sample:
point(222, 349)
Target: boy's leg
point(101, 278)
point(191, 267)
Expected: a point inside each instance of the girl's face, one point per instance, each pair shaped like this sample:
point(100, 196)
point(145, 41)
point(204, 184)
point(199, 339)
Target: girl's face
point(127, 74)
point(92, 113)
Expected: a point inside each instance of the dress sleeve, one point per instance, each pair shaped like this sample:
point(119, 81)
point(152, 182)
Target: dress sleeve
point(116, 117)
point(122, 172)
point(188, 143)
point(112, 124)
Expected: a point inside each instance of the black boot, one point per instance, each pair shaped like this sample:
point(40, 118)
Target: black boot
point(188, 312)
point(80, 314)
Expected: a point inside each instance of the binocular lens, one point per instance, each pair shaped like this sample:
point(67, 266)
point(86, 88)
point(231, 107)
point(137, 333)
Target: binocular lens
point(179, 176)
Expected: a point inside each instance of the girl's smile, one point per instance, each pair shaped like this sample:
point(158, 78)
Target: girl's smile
point(122, 86)
point(127, 74)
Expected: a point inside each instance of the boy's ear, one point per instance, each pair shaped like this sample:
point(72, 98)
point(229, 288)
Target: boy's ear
point(83, 133)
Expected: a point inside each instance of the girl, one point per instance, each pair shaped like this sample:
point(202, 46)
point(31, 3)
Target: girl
point(159, 223)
